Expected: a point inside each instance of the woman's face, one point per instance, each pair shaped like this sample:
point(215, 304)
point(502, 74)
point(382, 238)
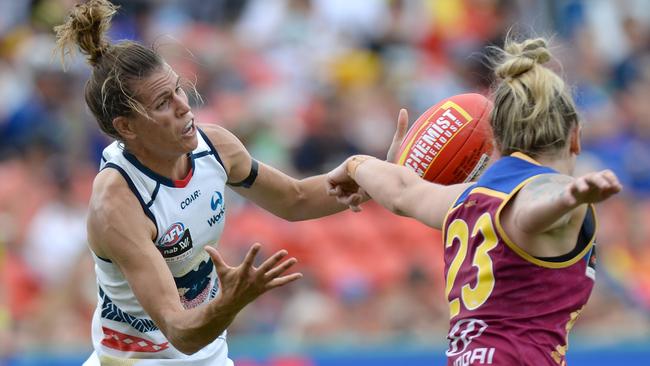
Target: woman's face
point(168, 128)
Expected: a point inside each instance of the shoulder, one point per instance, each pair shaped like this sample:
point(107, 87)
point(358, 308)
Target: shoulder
point(232, 151)
point(114, 210)
point(219, 135)
point(109, 189)
point(545, 184)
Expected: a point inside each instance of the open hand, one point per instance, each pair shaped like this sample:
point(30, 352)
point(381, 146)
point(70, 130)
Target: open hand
point(242, 284)
point(592, 188)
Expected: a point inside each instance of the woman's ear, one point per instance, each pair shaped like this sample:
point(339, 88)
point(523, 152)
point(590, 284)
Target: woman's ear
point(124, 127)
point(574, 140)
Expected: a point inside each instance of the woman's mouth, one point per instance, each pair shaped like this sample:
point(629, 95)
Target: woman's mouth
point(189, 127)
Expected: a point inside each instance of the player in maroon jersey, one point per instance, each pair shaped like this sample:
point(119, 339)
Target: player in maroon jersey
point(519, 243)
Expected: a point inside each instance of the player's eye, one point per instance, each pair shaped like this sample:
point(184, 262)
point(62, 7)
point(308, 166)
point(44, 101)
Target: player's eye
point(162, 104)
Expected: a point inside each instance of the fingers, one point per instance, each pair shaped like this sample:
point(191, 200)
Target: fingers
point(334, 190)
point(398, 137)
point(250, 256)
point(276, 271)
point(219, 264)
point(595, 187)
point(353, 201)
point(272, 261)
point(281, 281)
point(612, 179)
point(402, 125)
point(605, 180)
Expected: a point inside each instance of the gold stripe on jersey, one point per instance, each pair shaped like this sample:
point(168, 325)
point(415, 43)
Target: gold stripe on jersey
point(525, 157)
point(521, 252)
point(489, 192)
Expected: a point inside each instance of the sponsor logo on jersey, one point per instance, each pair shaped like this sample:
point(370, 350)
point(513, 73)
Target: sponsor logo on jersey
point(189, 199)
point(462, 333)
point(176, 243)
point(216, 201)
point(476, 356)
point(217, 205)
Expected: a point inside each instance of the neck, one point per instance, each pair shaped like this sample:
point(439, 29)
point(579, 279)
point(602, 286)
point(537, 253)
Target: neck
point(562, 162)
point(173, 166)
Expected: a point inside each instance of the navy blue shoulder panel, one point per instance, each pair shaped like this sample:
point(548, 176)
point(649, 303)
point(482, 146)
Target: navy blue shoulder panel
point(212, 149)
point(128, 180)
point(508, 172)
point(505, 175)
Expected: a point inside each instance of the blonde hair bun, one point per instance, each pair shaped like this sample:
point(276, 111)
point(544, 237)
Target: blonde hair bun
point(520, 58)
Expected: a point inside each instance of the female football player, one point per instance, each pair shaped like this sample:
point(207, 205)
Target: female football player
point(519, 243)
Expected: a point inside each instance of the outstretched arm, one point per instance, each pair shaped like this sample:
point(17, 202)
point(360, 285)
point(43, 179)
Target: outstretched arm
point(549, 201)
point(397, 188)
point(287, 197)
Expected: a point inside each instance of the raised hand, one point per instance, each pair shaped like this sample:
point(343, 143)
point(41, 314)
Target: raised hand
point(398, 137)
point(242, 284)
point(592, 188)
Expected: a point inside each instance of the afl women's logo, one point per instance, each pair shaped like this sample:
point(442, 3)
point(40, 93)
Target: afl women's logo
point(172, 235)
point(176, 243)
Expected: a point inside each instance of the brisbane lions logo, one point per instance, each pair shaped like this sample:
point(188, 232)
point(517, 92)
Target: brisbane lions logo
point(461, 335)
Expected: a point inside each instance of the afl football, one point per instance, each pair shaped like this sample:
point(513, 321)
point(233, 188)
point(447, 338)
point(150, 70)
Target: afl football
point(451, 142)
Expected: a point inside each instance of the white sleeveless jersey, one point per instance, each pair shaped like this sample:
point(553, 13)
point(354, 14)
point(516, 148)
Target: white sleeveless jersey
point(188, 215)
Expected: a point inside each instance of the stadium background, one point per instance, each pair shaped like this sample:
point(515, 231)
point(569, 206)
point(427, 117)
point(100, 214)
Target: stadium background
point(304, 84)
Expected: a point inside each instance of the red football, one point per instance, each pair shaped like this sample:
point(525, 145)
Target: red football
point(451, 142)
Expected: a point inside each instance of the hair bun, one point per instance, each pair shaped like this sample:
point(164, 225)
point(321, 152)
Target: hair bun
point(86, 27)
point(522, 57)
point(536, 50)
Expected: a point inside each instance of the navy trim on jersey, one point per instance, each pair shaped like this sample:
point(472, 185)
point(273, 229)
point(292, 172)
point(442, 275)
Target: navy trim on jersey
point(202, 154)
point(154, 194)
point(150, 173)
point(585, 236)
point(248, 181)
point(126, 177)
point(103, 159)
point(104, 259)
point(214, 151)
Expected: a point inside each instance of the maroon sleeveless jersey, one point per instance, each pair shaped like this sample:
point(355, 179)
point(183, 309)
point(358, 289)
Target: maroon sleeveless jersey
point(506, 306)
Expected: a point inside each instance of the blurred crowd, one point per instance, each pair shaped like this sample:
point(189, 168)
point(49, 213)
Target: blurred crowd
point(304, 84)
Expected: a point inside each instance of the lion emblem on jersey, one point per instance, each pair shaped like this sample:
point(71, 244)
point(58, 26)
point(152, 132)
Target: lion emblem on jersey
point(461, 335)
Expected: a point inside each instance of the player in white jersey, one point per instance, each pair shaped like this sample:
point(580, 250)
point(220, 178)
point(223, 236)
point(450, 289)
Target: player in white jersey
point(165, 296)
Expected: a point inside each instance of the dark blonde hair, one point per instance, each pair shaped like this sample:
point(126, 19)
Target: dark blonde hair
point(109, 92)
point(533, 108)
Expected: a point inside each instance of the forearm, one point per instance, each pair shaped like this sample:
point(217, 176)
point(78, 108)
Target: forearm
point(191, 330)
point(312, 200)
point(385, 182)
